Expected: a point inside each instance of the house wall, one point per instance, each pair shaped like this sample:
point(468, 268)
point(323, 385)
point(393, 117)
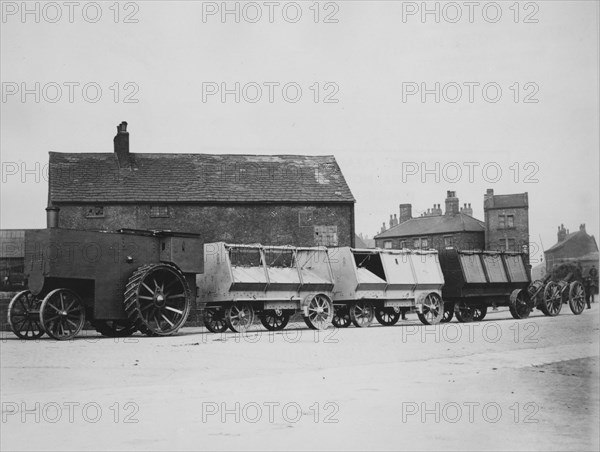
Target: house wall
point(274, 224)
point(460, 240)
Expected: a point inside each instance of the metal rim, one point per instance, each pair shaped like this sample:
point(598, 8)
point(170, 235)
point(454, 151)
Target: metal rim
point(24, 316)
point(521, 308)
point(274, 319)
point(479, 313)
point(433, 309)
point(214, 320)
point(240, 317)
point(464, 312)
point(62, 314)
point(157, 299)
point(361, 314)
point(576, 297)
point(387, 316)
point(341, 317)
point(320, 312)
point(552, 299)
point(448, 313)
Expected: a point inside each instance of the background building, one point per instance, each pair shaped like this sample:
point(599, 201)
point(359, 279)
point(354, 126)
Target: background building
point(506, 221)
point(279, 199)
point(574, 246)
point(12, 253)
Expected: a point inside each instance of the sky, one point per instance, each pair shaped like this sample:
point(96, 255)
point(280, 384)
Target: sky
point(500, 95)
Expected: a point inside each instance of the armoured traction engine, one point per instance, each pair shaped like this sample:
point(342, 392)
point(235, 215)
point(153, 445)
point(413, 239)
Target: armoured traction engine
point(379, 283)
point(478, 279)
point(240, 282)
point(119, 281)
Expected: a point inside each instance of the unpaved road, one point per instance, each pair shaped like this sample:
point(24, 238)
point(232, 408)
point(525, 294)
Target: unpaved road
point(494, 385)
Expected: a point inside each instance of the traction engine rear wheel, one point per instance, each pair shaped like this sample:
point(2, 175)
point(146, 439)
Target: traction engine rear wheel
point(464, 312)
point(214, 320)
point(24, 316)
point(114, 328)
point(480, 312)
point(448, 313)
point(341, 317)
point(553, 302)
point(239, 317)
point(520, 308)
point(576, 297)
point(274, 319)
point(361, 314)
point(387, 316)
point(318, 312)
point(157, 299)
point(62, 314)
point(433, 309)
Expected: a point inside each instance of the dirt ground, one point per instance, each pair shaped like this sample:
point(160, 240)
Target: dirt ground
point(499, 384)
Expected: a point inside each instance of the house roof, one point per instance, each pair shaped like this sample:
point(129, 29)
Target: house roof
point(506, 201)
point(438, 224)
point(96, 177)
point(573, 235)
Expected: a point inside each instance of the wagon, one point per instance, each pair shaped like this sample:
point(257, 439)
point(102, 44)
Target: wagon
point(475, 280)
point(242, 282)
point(380, 283)
point(118, 281)
point(556, 292)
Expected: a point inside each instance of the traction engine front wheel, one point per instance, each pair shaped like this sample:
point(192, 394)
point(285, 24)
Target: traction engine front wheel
point(62, 314)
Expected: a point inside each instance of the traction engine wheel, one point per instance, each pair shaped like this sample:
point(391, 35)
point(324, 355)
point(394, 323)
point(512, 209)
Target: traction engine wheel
point(464, 312)
point(387, 316)
point(433, 309)
point(24, 316)
point(519, 306)
point(576, 297)
point(553, 302)
point(239, 317)
point(214, 320)
point(274, 319)
point(480, 312)
point(361, 314)
point(157, 299)
point(448, 313)
point(318, 312)
point(114, 328)
point(62, 314)
point(341, 317)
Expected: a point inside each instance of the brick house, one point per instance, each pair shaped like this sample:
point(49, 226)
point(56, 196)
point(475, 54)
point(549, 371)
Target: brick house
point(433, 230)
point(506, 221)
point(574, 246)
point(271, 199)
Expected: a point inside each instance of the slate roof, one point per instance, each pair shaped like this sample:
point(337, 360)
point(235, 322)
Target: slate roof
point(438, 224)
point(507, 201)
point(571, 236)
point(96, 177)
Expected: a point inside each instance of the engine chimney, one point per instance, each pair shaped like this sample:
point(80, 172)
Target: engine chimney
point(121, 142)
point(52, 217)
point(451, 203)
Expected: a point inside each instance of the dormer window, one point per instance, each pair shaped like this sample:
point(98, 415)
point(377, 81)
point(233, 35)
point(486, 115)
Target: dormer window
point(95, 212)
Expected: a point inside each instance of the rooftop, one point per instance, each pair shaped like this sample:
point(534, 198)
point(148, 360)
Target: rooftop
point(438, 224)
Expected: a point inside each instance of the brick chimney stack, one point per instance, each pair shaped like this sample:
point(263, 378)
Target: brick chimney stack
point(451, 203)
point(121, 142)
point(405, 213)
point(562, 233)
point(582, 227)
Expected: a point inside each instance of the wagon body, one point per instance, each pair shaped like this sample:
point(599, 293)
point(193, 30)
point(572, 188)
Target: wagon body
point(483, 277)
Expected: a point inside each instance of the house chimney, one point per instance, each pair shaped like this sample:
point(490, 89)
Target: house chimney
point(121, 142)
point(405, 213)
point(52, 217)
point(382, 227)
point(562, 233)
point(451, 203)
point(582, 227)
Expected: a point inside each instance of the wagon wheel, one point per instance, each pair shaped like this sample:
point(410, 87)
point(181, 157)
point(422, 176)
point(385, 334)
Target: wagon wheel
point(552, 303)
point(274, 319)
point(433, 309)
point(448, 312)
point(480, 312)
point(157, 299)
point(62, 314)
point(239, 317)
point(318, 312)
point(361, 314)
point(464, 312)
point(114, 328)
point(341, 317)
point(519, 307)
point(387, 316)
point(214, 320)
point(576, 297)
point(24, 316)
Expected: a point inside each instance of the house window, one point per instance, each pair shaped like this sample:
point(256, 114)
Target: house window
point(387, 244)
point(95, 212)
point(511, 245)
point(326, 235)
point(416, 243)
point(403, 244)
point(424, 243)
point(159, 212)
point(510, 221)
point(448, 241)
point(501, 222)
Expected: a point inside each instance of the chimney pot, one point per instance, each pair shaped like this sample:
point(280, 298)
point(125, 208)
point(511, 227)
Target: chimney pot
point(121, 145)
